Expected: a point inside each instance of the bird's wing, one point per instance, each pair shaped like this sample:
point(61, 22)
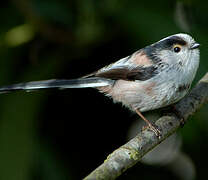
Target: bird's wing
point(135, 67)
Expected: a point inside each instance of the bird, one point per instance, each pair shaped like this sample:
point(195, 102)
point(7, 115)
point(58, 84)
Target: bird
point(153, 77)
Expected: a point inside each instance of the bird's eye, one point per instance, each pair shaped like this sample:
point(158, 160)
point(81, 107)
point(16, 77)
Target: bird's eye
point(177, 49)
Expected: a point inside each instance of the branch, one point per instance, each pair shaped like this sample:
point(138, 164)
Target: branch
point(130, 153)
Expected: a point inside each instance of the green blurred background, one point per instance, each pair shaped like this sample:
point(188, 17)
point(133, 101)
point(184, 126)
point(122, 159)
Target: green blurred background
point(59, 135)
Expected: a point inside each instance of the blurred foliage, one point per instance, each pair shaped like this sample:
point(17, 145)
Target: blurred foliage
point(60, 135)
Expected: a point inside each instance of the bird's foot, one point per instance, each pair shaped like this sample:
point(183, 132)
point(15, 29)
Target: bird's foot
point(154, 128)
point(151, 126)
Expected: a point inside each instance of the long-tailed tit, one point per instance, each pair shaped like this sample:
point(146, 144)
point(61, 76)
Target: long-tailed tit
point(153, 77)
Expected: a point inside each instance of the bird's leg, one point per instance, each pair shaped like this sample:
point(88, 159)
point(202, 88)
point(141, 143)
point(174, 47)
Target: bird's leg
point(151, 126)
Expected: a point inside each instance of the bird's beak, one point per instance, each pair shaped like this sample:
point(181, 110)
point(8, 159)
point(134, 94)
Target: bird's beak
point(195, 45)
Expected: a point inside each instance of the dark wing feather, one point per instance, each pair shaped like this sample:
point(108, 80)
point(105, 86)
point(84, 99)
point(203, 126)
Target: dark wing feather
point(138, 73)
point(135, 67)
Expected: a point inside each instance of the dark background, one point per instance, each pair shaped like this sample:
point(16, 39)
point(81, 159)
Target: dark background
point(58, 135)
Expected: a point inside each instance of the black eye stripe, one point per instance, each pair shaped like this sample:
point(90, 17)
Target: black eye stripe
point(174, 40)
point(165, 44)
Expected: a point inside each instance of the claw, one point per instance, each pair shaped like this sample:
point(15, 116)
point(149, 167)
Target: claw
point(155, 130)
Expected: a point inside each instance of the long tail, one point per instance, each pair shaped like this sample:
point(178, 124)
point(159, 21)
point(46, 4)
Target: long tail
point(56, 83)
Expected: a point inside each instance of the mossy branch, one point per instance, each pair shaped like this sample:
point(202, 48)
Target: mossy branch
point(130, 153)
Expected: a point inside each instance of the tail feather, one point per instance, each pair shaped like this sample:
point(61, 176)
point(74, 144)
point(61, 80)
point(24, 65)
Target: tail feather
point(57, 83)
